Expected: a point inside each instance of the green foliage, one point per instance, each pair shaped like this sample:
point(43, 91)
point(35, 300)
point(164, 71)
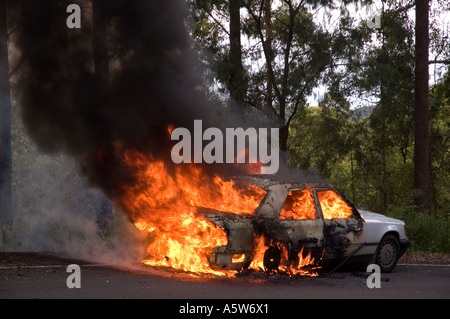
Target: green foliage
point(350, 154)
point(440, 142)
point(427, 233)
point(371, 160)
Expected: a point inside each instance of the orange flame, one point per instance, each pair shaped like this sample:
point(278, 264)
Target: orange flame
point(302, 266)
point(299, 205)
point(305, 266)
point(165, 203)
point(333, 206)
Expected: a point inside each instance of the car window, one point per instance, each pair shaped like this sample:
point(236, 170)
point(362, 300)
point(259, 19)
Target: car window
point(333, 205)
point(299, 204)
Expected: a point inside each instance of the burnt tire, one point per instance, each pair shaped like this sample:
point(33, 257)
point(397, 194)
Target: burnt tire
point(272, 258)
point(388, 253)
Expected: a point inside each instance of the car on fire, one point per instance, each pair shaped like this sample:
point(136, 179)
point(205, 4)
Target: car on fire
point(310, 217)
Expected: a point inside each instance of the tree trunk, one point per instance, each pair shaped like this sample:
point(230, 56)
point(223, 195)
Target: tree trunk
point(284, 136)
point(422, 166)
point(268, 24)
point(6, 203)
point(237, 85)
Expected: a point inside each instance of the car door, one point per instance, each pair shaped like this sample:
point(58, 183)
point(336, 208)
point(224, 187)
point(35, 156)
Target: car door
point(343, 225)
point(301, 221)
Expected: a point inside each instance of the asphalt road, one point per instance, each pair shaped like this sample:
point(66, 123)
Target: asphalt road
point(49, 280)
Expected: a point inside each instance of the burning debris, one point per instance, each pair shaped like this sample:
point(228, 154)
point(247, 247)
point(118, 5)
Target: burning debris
point(167, 205)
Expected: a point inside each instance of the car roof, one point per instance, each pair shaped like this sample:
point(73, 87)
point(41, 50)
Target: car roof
point(265, 182)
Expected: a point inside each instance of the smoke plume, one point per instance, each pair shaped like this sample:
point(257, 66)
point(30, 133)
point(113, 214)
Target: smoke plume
point(154, 81)
point(72, 105)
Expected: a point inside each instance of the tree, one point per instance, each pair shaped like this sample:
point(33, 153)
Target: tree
point(268, 45)
point(236, 82)
point(390, 73)
point(422, 167)
point(6, 207)
point(296, 52)
point(284, 55)
point(440, 144)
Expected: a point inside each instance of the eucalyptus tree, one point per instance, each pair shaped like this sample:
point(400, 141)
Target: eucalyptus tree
point(285, 52)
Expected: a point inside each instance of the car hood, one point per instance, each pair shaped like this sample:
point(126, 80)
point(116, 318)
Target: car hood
point(375, 217)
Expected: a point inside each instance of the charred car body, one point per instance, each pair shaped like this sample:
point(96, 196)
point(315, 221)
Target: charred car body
point(311, 217)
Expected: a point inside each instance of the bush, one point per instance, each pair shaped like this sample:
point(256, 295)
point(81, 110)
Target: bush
point(426, 232)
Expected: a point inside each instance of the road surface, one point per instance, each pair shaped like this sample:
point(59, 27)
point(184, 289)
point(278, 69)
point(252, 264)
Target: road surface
point(42, 277)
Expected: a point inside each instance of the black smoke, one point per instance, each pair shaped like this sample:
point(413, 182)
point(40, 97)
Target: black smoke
point(155, 79)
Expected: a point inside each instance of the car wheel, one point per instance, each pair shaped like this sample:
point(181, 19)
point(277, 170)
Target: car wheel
point(388, 253)
point(272, 258)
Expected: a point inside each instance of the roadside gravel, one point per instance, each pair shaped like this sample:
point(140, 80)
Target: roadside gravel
point(425, 258)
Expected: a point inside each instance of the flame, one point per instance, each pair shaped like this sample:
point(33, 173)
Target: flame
point(165, 204)
point(238, 258)
point(299, 205)
point(304, 266)
point(170, 128)
point(258, 259)
point(333, 206)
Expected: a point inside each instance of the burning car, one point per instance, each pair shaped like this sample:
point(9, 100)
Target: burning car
point(297, 219)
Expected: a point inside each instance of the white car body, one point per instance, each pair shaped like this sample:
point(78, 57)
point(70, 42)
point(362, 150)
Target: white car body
point(379, 226)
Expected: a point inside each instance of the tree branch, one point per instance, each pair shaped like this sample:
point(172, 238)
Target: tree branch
point(266, 50)
point(439, 62)
point(19, 63)
point(218, 22)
